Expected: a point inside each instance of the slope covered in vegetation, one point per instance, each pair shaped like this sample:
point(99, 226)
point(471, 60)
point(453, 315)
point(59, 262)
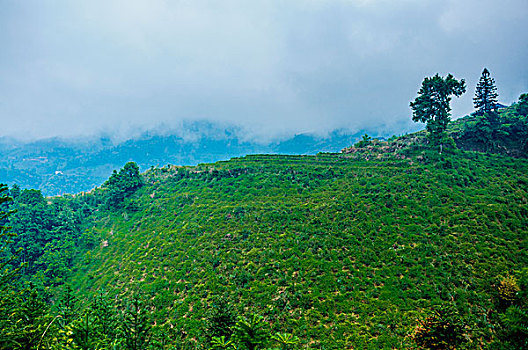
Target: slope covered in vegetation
point(57, 166)
point(505, 132)
point(342, 251)
point(388, 244)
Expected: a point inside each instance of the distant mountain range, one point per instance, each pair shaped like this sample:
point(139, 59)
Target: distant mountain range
point(57, 166)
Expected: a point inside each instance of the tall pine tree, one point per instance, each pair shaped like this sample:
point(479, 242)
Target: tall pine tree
point(485, 99)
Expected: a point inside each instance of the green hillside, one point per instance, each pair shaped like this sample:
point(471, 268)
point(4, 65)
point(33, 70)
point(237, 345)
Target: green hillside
point(58, 166)
point(393, 244)
point(342, 251)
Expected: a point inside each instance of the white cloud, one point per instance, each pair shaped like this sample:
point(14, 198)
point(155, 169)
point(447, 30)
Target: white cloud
point(271, 66)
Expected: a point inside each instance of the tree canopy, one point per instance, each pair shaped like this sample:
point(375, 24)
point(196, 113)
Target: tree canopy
point(432, 105)
point(122, 183)
point(485, 99)
point(522, 106)
point(5, 237)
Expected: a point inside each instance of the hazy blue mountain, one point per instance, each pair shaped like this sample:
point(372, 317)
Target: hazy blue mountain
point(59, 166)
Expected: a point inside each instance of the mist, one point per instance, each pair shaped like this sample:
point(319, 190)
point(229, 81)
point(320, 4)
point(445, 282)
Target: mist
point(269, 68)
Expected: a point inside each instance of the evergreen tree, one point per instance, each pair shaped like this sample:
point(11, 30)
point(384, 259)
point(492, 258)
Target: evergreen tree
point(7, 304)
point(67, 307)
point(121, 184)
point(105, 316)
point(45, 237)
point(365, 141)
point(84, 331)
point(515, 327)
point(31, 321)
point(221, 320)
point(432, 105)
point(6, 273)
point(97, 326)
point(485, 99)
point(136, 326)
point(522, 106)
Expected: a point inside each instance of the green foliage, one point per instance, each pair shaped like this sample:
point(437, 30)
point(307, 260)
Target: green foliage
point(96, 326)
point(105, 318)
point(522, 105)
point(251, 333)
point(15, 191)
point(29, 321)
point(67, 307)
point(339, 249)
point(365, 140)
point(220, 320)
point(46, 240)
point(485, 99)
point(122, 184)
point(504, 132)
point(7, 272)
point(83, 331)
point(515, 327)
point(442, 329)
point(222, 343)
point(432, 106)
point(136, 325)
point(286, 341)
point(508, 290)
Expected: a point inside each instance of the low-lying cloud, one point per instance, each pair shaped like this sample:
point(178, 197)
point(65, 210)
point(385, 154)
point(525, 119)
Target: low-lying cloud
point(271, 67)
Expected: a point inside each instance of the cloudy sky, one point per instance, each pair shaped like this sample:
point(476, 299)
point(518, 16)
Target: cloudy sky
point(273, 67)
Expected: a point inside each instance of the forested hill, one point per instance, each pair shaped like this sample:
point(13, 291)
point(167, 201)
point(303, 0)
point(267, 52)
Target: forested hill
point(388, 244)
point(505, 132)
point(58, 166)
point(340, 250)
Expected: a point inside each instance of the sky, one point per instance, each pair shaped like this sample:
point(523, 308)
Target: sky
point(274, 68)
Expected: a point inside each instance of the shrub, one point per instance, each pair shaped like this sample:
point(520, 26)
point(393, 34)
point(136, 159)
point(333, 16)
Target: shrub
point(443, 329)
point(508, 290)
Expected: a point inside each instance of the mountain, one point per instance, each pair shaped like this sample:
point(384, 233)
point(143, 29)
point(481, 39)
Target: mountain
point(58, 166)
point(344, 250)
point(386, 244)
